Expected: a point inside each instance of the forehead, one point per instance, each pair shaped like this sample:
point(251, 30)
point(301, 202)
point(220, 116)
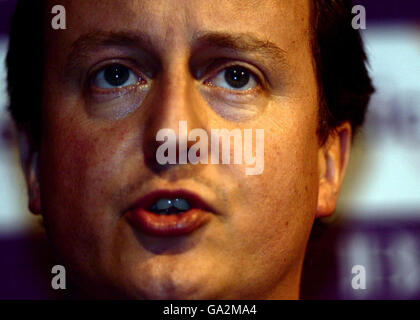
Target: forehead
point(283, 22)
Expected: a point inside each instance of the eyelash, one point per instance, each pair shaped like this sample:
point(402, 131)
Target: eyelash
point(142, 80)
point(258, 79)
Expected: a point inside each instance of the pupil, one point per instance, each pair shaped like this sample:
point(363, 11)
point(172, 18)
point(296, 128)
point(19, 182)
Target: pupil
point(116, 75)
point(237, 77)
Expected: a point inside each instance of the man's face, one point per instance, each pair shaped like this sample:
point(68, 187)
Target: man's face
point(98, 150)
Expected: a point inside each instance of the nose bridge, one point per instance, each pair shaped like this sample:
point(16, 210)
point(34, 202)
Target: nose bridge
point(176, 99)
point(174, 96)
point(174, 103)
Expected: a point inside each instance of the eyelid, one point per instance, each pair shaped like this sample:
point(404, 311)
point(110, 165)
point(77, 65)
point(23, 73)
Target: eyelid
point(259, 76)
point(100, 66)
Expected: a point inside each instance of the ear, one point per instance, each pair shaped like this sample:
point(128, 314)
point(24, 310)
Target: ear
point(333, 157)
point(29, 156)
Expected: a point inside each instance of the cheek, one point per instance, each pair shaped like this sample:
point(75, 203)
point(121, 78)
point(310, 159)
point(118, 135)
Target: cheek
point(80, 164)
point(82, 168)
point(289, 183)
point(279, 206)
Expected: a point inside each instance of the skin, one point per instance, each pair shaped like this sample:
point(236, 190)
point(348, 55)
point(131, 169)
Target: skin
point(97, 154)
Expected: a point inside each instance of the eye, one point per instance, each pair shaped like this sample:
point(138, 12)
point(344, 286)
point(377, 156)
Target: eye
point(235, 78)
point(115, 76)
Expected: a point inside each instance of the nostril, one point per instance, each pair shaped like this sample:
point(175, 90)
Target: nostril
point(150, 147)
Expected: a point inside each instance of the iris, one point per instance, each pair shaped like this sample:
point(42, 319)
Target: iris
point(237, 76)
point(116, 75)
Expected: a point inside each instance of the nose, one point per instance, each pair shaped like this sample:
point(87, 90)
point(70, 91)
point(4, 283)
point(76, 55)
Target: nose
point(175, 105)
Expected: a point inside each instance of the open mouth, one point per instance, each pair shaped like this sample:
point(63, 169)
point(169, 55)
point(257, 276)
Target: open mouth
point(165, 202)
point(170, 206)
point(169, 213)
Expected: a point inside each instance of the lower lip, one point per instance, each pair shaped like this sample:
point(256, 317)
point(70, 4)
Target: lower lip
point(168, 225)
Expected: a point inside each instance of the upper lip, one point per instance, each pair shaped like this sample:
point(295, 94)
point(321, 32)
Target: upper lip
point(194, 200)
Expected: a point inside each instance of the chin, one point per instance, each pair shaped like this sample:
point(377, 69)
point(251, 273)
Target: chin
point(166, 283)
point(165, 289)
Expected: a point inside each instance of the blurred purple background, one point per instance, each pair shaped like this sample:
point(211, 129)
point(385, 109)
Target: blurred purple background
point(377, 223)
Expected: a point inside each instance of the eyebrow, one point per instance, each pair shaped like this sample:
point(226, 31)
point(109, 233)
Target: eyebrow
point(243, 43)
point(89, 42)
point(236, 42)
point(103, 38)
